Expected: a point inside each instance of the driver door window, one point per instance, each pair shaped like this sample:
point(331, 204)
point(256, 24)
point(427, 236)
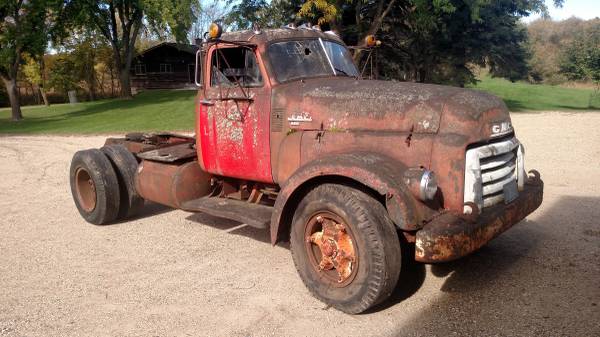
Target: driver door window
point(232, 65)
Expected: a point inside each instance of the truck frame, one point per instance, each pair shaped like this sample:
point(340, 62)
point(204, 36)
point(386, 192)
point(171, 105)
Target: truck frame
point(353, 173)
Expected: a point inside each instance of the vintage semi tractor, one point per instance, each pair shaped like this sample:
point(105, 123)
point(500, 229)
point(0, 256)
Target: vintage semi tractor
point(289, 138)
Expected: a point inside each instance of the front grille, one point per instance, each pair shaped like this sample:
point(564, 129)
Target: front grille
point(488, 168)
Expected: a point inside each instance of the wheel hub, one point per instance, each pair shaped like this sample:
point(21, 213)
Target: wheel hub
point(86, 190)
point(335, 245)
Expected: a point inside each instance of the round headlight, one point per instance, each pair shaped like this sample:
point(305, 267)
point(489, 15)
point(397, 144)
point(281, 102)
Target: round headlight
point(428, 186)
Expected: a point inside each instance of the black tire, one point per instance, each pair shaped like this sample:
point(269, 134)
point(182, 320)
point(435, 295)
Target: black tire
point(94, 187)
point(125, 165)
point(375, 240)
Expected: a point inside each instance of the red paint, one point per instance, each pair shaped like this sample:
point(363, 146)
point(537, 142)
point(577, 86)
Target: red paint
point(234, 134)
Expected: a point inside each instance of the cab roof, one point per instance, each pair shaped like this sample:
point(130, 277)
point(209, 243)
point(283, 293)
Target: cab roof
point(268, 35)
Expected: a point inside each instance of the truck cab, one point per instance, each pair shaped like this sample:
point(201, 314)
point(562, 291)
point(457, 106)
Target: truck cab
point(290, 138)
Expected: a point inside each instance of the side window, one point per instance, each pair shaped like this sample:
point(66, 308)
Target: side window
point(140, 69)
point(229, 65)
point(165, 68)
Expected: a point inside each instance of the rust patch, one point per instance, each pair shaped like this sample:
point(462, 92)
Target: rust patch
point(336, 258)
point(452, 235)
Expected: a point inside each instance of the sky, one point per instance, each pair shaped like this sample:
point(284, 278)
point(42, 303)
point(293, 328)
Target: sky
point(584, 9)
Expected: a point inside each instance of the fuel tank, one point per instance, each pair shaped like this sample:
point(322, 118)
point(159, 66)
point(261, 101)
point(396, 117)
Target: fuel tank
point(172, 184)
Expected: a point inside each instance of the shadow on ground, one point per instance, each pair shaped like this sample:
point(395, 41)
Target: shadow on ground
point(233, 227)
point(524, 282)
point(539, 278)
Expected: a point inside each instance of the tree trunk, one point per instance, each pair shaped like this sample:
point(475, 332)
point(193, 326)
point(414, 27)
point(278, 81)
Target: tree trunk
point(125, 84)
point(13, 96)
point(92, 89)
point(35, 92)
point(101, 84)
point(112, 82)
point(44, 96)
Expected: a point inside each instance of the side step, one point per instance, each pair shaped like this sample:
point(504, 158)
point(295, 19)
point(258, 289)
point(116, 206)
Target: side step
point(254, 215)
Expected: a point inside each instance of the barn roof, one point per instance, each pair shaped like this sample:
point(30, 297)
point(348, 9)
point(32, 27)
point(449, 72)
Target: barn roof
point(188, 48)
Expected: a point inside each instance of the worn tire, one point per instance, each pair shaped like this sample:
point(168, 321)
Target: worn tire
point(98, 204)
point(375, 240)
point(125, 166)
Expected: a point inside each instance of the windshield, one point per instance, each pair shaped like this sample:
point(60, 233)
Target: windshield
point(310, 58)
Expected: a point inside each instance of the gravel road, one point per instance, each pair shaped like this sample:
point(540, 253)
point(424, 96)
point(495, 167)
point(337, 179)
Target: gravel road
point(172, 273)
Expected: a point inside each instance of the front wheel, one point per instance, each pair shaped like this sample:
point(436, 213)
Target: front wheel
point(345, 247)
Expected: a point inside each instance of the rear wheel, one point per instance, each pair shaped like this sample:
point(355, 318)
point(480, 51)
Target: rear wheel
point(125, 166)
point(94, 187)
point(345, 248)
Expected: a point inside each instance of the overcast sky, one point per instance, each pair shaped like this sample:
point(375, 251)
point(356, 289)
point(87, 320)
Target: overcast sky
point(584, 9)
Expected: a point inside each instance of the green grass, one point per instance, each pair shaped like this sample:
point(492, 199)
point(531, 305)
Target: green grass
point(521, 96)
point(157, 110)
point(173, 110)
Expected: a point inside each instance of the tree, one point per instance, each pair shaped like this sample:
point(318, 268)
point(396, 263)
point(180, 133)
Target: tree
point(106, 68)
point(548, 42)
point(84, 47)
point(62, 74)
point(266, 14)
point(211, 11)
point(34, 72)
point(581, 59)
point(121, 21)
point(434, 40)
point(24, 27)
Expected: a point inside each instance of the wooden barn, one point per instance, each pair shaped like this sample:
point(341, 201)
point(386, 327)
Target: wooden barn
point(165, 66)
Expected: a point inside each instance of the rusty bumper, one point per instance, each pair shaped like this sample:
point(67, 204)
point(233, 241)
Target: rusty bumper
point(451, 236)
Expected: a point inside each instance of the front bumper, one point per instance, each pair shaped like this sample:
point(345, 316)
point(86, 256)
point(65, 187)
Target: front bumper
point(451, 236)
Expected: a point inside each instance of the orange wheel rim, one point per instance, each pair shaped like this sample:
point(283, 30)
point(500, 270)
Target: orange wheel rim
point(86, 189)
point(331, 250)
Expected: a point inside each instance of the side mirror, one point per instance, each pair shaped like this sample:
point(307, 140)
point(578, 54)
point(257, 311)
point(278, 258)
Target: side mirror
point(198, 68)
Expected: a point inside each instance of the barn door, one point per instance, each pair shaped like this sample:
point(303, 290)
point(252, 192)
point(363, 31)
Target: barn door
point(234, 116)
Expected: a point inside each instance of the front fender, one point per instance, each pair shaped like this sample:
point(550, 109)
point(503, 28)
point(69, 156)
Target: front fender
point(379, 173)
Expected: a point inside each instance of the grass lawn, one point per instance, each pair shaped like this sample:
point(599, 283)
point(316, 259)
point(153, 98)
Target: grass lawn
point(522, 96)
point(173, 110)
point(157, 110)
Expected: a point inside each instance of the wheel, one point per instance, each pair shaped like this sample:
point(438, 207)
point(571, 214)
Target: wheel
point(345, 247)
point(94, 187)
point(125, 165)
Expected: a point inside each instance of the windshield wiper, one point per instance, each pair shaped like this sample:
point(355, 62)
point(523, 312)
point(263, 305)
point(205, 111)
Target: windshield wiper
point(341, 71)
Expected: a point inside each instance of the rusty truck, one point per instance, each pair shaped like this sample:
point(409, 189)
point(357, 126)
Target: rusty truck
point(289, 138)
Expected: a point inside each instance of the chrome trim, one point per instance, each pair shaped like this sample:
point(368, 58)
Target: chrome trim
point(499, 166)
point(427, 178)
point(196, 68)
point(521, 173)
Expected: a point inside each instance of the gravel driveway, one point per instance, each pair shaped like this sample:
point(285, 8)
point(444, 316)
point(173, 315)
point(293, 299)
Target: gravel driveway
point(172, 273)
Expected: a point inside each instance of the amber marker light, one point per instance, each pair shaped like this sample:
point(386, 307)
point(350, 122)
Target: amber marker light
point(215, 30)
point(371, 41)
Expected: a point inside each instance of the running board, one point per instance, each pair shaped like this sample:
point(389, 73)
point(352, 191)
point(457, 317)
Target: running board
point(253, 215)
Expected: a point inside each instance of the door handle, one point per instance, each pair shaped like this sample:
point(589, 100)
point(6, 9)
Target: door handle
point(206, 102)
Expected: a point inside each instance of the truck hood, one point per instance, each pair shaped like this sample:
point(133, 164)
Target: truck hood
point(343, 103)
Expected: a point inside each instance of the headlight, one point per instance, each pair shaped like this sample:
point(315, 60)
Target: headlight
point(422, 183)
point(428, 187)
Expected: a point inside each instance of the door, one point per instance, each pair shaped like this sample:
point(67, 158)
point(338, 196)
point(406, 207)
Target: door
point(233, 118)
